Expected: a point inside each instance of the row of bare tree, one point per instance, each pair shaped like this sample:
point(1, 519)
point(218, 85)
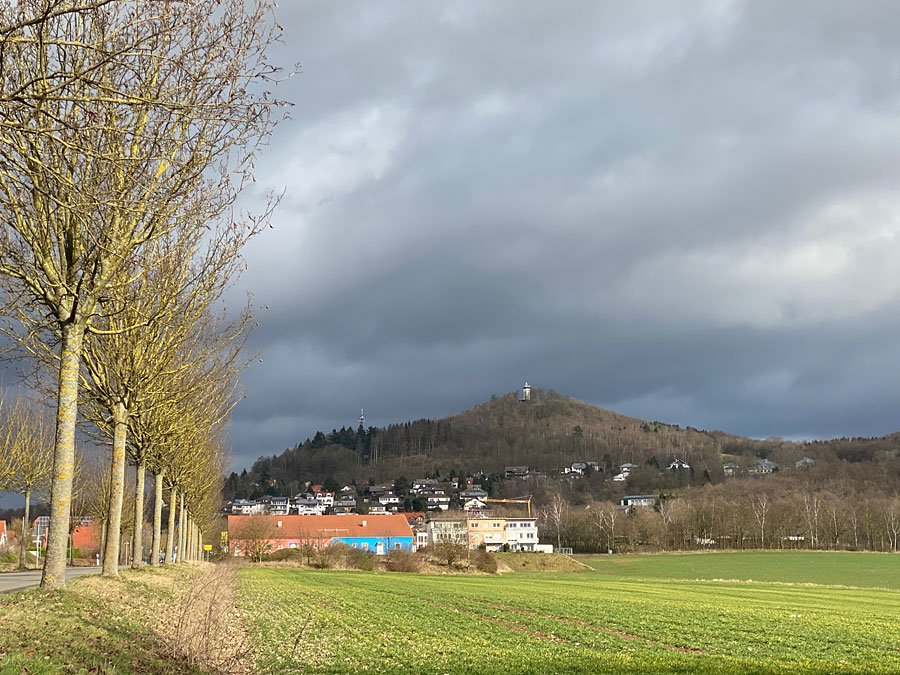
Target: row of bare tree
point(775, 514)
point(127, 131)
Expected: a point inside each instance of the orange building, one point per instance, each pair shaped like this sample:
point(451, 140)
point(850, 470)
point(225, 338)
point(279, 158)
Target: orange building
point(515, 534)
point(487, 531)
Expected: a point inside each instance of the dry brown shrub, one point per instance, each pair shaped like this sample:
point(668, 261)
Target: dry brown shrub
point(403, 561)
point(483, 561)
point(208, 631)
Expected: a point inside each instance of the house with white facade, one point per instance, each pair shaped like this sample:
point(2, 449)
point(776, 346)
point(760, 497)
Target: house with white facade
point(326, 499)
point(439, 500)
point(307, 505)
point(521, 534)
point(764, 466)
point(474, 505)
point(279, 506)
point(388, 498)
point(638, 500)
point(246, 507)
point(454, 531)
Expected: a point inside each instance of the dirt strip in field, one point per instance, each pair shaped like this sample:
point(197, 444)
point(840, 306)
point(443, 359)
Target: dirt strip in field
point(587, 624)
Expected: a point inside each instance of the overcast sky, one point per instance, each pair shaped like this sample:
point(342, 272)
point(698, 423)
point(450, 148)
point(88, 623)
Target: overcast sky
point(681, 211)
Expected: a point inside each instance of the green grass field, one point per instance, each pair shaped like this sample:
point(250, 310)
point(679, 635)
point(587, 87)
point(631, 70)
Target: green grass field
point(803, 612)
point(862, 570)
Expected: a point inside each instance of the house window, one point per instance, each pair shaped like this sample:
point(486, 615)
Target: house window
point(496, 524)
point(364, 546)
point(397, 546)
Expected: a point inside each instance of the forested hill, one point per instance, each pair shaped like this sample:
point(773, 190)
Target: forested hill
point(546, 433)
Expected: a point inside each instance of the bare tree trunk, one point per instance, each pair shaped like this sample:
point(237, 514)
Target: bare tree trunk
point(103, 532)
point(54, 575)
point(189, 539)
point(117, 492)
point(170, 534)
point(25, 527)
point(181, 531)
point(137, 544)
point(157, 518)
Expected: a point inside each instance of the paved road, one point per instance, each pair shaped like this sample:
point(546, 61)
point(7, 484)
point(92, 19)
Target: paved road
point(16, 581)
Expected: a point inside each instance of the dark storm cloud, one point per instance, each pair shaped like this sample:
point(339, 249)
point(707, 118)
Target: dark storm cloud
point(680, 211)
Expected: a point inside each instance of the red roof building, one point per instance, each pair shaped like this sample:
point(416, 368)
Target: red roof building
point(375, 533)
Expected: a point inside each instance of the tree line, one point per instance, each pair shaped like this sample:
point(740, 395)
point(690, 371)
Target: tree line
point(847, 506)
point(127, 131)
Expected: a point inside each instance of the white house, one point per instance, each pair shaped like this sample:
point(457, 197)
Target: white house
point(521, 534)
point(474, 505)
point(638, 500)
point(455, 531)
point(307, 505)
point(326, 499)
point(279, 506)
point(439, 500)
point(764, 466)
point(421, 485)
point(244, 507)
point(678, 464)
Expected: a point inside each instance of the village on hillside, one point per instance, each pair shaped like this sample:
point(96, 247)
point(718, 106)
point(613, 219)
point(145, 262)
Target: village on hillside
point(414, 515)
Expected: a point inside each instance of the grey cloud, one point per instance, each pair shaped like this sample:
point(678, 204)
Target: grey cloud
point(670, 209)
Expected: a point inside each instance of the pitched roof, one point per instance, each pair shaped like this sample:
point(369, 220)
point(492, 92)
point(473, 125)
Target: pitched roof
point(324, 527)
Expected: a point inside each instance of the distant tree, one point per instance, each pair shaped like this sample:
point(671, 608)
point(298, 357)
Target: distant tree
point(254, 536)
point(555, 516)
point(761, 505)
point(449, 552)
point(27, 441)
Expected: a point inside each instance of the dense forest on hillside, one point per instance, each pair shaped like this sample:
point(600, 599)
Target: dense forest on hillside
point(547, 433)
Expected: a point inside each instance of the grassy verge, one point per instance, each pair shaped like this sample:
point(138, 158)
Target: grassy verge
point(155, 620)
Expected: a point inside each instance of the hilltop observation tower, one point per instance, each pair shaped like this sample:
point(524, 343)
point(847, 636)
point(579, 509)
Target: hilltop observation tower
point(526, 394)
